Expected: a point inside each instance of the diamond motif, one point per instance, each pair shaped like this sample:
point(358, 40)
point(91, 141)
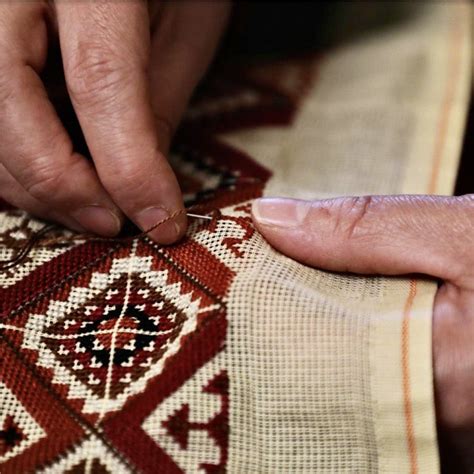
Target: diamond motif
point(115, 328)
point(111, 339)
point(120, 344)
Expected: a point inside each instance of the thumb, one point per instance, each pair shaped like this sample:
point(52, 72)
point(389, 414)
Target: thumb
point(390, 235)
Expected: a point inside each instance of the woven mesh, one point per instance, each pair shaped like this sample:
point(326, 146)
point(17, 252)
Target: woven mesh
point(219, 354)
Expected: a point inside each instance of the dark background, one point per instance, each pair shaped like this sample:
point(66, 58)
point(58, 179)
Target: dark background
point(465, 182)
point(268, 30)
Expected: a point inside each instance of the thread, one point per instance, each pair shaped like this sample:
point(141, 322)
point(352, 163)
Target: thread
point(64, 240)
point(61, 240)
point(26, 249)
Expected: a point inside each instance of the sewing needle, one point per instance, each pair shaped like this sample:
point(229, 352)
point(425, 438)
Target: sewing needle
point(198, 216)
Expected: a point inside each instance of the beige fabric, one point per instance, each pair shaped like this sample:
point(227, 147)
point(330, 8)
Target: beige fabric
point(326, 372)
point(333, 373)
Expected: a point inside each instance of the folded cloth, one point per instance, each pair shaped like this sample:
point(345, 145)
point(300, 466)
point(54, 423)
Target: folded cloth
point(219, 354)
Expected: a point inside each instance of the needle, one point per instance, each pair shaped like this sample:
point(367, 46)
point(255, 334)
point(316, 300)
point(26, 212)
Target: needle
point(198, 216)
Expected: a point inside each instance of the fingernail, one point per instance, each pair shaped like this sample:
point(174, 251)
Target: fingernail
point(280, 212)
point(99, 220)
point(165, 233)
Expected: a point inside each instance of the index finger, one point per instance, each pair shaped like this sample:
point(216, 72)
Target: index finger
point(105, 48)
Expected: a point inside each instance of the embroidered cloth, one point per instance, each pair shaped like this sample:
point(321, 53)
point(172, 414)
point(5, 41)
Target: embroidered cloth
point(219, 354)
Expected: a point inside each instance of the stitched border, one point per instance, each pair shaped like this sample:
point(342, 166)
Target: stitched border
point(407, 405)
point(60, 283)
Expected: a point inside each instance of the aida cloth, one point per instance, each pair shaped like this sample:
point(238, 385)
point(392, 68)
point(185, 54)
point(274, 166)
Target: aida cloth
point(218, 354)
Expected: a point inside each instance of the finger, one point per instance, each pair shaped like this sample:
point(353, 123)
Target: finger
point(36, 149)
point(186, 35)
point(12, 192)
point(105, 47)
point(388, 235)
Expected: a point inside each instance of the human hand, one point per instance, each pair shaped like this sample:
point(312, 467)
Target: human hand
point(128, 88)
point(397, 235)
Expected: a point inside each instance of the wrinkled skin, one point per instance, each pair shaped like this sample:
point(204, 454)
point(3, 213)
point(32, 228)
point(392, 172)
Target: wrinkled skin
point(130, 68)
point(400, 235)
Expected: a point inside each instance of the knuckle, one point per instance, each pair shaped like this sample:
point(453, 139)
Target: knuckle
point(351, 218)
point(5, 182)
point(43, 183)
point(8, 87)
point(6, 91)
point(127, 180)
point(94, 73)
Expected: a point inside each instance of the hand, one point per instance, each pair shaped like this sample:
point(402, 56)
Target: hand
point(128, 88)
point(397, 235)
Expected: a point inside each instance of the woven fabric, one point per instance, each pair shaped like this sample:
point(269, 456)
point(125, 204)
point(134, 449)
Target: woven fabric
point(219, 354)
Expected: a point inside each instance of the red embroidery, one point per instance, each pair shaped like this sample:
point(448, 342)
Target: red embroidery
point(112, 345)
point(11, 435)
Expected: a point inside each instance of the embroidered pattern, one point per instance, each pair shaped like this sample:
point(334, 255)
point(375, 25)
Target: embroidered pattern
point(112, 353)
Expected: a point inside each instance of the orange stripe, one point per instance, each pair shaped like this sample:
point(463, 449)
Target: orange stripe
point(410, 434)
point(454, 71)
point(442, 128)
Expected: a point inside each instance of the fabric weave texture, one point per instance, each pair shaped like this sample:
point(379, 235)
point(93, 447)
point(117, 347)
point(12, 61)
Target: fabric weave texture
point(218, 354)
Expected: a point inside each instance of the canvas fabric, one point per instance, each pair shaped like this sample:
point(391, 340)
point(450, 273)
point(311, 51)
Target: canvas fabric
point(219, 354)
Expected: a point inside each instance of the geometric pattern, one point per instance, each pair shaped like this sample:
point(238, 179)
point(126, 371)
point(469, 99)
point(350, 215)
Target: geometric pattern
point(123, 331)
point(112, 352)
point(36, 426)
point(15, 229)
point(131, 430)
point(18, 429)
point(192, 422)
point(91, 455)
point(106, 339)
